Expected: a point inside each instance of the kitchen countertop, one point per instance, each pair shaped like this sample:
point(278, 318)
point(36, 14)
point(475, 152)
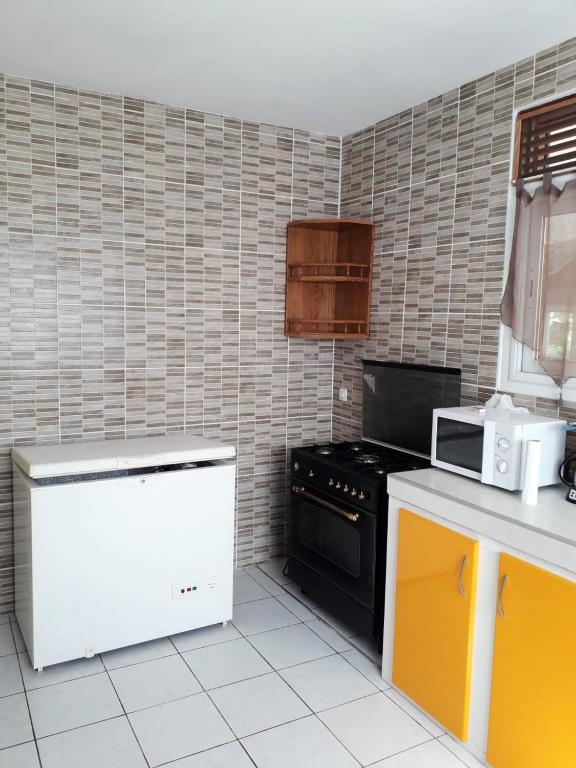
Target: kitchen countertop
point(546, 530)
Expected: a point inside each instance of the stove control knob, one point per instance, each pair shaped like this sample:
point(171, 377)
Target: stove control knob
point(311, 473)
point(331, 482)
point(353, 492)
point(345, 489)
point(361, 496)
point(338, 485)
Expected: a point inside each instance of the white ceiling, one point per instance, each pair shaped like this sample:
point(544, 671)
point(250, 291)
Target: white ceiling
point(325, 65)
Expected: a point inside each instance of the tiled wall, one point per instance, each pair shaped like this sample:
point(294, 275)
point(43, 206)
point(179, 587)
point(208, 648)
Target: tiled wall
point(142, 270)
point(435, 181)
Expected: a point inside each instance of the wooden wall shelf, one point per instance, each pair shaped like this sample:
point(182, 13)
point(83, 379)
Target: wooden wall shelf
point(328, 278)
point(344, 271)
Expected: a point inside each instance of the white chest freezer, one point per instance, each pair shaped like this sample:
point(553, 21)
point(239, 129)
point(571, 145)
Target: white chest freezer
point(121, 541)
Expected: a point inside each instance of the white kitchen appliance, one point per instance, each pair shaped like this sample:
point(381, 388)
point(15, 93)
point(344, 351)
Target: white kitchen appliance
point(121, 541)
point(491, 448)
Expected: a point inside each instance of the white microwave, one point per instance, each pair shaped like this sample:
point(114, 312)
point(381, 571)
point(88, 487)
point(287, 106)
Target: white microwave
point(473, 442)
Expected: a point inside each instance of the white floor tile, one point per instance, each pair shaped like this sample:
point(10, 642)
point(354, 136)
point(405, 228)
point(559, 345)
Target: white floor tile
point(373, 728)
point(261, 616)
point(58, 673)
point(134, 654)
point(290, 645)
point(296, 607)
point(22, 756)
point(18, 639)
point(246, 590)
point(327, 682)
point(154, 682)
point(7, 645)
point(412, 710)
point(457, 749)
point(259, 703)
point(15, 724)
point(228, 756)
point(10, 677)
point(329, 635)
point(179, 728)
point(226, 663)
point(274, 568)
point(200, 638)
point(110, 744)
point(322, 669)
point(429, 755)
point(369, 668)
point(304, 743)
point(69, 705)
point(264, 580)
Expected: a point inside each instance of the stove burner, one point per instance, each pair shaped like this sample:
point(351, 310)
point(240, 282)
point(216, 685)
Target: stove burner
point(368, 458)
point(372, 462)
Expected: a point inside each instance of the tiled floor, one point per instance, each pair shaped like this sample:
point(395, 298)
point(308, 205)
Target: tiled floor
point(283, 686)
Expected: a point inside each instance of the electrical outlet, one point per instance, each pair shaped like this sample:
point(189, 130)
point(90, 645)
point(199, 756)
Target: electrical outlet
point(343, 394)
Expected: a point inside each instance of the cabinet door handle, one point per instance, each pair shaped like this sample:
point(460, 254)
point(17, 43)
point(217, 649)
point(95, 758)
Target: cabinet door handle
point(460, 572)
point(503, 583)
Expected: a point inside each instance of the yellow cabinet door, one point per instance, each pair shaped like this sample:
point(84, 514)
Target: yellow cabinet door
point(434, 620)
point(533, 706)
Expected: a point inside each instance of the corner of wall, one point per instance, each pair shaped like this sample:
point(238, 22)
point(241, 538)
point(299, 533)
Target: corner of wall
point(334, 340)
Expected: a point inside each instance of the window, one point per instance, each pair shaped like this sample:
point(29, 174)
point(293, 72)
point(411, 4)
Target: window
point(544, 147)
point(545, 139)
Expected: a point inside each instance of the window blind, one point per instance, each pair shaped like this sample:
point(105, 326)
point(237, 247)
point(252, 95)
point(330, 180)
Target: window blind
point(546, 139)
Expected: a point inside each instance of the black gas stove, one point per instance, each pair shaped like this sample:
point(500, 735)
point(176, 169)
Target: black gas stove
point(339, 526)
point(339, 504)
point(351, 471)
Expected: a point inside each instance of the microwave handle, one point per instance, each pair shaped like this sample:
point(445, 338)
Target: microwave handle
point(434, 436)
point(488, 446)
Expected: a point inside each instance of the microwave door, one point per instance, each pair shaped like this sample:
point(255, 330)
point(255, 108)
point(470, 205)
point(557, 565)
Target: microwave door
point(459, 447)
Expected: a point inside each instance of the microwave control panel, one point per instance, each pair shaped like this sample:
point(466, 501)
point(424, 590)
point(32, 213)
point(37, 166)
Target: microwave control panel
point(505, 450)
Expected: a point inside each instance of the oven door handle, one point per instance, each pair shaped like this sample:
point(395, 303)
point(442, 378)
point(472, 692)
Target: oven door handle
point(301, 491)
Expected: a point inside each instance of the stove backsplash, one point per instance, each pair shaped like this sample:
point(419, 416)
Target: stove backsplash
point(434, 180)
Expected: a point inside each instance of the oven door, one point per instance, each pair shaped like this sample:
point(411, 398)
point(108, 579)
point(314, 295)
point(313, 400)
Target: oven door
point(336, 541)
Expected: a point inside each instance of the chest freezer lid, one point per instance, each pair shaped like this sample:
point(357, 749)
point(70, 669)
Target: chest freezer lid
point(109, 455)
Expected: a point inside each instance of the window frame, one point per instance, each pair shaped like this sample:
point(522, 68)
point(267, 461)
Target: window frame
point(509, 374)
point(528, 113)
